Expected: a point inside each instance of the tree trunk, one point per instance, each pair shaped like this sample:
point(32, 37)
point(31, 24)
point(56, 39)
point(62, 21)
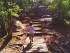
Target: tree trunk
point(9, 30)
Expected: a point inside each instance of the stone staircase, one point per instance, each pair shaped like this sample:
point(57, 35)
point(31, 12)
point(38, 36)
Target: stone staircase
point(41, 23)
point(37, 26)
point(37, 47)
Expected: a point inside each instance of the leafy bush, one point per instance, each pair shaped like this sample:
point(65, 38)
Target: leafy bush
point(61, 8)
point(52, 7)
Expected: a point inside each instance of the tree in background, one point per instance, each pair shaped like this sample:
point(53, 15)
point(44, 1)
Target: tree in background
point(10, 9)
point(60, 10)
point(7, 10)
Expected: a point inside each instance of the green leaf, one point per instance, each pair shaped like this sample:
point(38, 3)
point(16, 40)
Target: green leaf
point(14, 14)
point(52, 7)
point(68, 13)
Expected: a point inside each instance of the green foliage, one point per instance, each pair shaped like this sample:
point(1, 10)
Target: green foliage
point(2, 10)
point(7, 10)
point(23, 4)
point(4, 13)
point(65, 3)
point(61, 8)
point(11, 8)
point(68, 13)
point(52, 7)
point(48, 1)
point(67, 21)
point(14, 9)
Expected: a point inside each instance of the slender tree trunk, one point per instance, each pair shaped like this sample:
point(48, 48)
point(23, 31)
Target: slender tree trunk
point(9, 26)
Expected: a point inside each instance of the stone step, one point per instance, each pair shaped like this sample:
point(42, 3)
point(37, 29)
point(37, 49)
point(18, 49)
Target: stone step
point(34, 43)
point(37, 46)
point(37, 50)
point(40, 40)
point(37, 28)
point(38, 32)
point(34, 46)
point(36, 22)
point(36, 40)
point(46, 19)
point(46, 16)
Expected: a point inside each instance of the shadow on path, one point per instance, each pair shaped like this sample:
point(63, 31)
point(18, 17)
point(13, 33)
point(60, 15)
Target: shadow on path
point(8, 38)
point(28, 47)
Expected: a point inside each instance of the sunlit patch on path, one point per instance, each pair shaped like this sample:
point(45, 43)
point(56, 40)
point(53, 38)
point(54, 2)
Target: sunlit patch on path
point(37, 46)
